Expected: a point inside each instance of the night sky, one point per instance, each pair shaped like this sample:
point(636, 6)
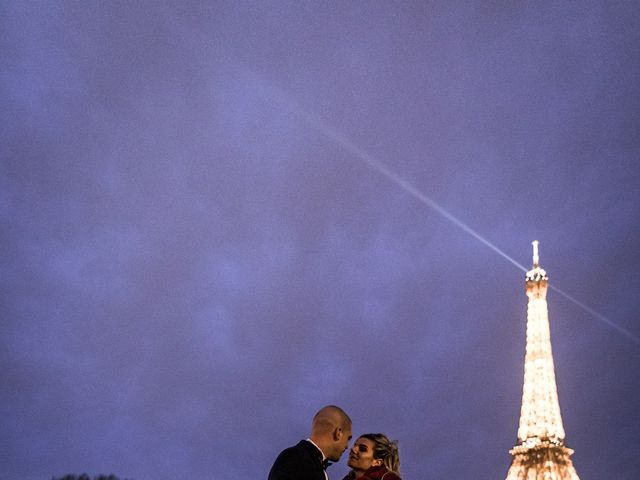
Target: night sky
point(197, 251)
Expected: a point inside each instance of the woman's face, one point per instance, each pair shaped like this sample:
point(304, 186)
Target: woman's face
point(361, 455)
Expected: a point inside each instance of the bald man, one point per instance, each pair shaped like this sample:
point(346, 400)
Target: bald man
point(330, 435)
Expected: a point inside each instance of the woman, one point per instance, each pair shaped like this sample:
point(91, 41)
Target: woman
point(374, 457)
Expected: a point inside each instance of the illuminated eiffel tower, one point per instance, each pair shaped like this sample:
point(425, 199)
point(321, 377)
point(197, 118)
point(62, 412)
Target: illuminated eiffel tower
point(540, 453)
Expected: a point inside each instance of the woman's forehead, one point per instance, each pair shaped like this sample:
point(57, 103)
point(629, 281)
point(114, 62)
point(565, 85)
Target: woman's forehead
point(365, 441)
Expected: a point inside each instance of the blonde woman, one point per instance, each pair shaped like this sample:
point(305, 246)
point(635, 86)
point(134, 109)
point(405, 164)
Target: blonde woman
point(374, 457)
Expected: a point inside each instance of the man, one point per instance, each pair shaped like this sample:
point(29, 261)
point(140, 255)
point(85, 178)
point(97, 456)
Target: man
point(330, 435)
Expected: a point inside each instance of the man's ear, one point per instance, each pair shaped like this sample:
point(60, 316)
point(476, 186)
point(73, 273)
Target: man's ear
point(337, 434)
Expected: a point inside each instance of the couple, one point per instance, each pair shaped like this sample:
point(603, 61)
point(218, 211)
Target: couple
point(372, 457)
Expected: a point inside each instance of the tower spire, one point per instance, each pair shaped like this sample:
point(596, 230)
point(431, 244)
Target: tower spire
point(539, 453)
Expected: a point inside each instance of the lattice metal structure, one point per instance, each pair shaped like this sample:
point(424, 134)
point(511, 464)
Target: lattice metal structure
point(540, 453)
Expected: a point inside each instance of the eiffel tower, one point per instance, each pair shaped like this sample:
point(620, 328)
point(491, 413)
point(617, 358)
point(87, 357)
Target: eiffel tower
point(540, 452)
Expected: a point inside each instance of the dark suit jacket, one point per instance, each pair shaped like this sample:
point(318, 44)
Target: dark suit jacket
point(300, 462)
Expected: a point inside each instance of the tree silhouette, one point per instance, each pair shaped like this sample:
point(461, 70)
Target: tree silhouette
point(84, 476)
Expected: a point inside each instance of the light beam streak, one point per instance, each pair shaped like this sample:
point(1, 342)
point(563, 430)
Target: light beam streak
point(375, 164)
point(599, 316)
point(405, 185)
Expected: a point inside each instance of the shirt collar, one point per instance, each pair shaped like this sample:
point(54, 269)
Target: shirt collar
point(319, 449)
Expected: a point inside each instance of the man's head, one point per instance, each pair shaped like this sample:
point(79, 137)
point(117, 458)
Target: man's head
point(331, 431)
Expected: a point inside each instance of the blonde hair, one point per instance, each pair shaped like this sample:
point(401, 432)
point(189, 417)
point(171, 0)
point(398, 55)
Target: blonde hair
point(385, 450)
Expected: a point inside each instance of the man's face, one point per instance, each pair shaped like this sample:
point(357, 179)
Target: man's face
point(342, 442)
